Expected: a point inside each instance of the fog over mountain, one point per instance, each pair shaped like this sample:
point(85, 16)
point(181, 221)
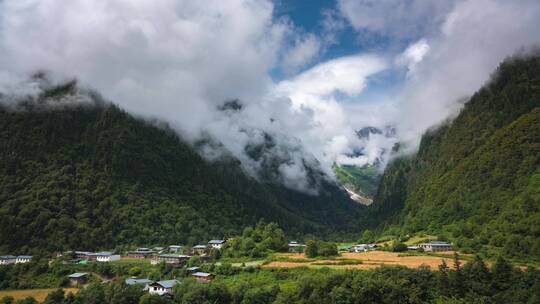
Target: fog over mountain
point(180, 61)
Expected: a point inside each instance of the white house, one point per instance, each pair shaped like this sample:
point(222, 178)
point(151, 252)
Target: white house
point(7, 259)
point(21, 259)
point(162, 287)
point(216, 244)
point(296, 247)
point(106, 256)
point(362, 247)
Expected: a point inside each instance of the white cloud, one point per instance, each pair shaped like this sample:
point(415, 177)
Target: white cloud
point(179, 60)
point(395, 18)
point(303, 51)
point(474, 38)
point(413, 55)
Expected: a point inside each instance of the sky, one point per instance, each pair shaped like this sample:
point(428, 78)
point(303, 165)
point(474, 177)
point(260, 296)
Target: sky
point(307, 74)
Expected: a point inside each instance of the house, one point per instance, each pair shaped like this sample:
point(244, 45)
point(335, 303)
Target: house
point(141, 253)
point(193, 269)
point(296, 247)
point(21, 259)
point(162, 287)
point(78, 278)
point(433, 246)
point(199, 249)
point(362, 247)
point(82, 255)
point(202, 277)
point(216, 244)
point(106, 256)
point(175, 248)
point(169, 258)
point(7, 259)
point(137, 281)
point(413, 247)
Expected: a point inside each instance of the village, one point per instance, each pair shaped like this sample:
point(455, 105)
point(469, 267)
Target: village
point(177, 256)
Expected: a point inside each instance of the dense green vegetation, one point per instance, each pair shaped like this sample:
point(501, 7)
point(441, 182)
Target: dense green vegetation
point(316, 248)
point(362, 180)
point(476, 179)
point(88, 176)
point(471, 282)
point(257, 242)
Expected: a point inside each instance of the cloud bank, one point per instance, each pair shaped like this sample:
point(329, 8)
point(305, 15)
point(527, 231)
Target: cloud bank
point(205, 68)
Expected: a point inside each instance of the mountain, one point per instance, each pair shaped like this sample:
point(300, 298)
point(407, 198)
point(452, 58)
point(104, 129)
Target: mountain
point(362, 181)
point(80, 173)
point(476, 179)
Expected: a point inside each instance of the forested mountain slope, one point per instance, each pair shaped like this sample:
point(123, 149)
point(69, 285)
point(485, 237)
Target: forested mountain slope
point(476, 179)
point(92, 176)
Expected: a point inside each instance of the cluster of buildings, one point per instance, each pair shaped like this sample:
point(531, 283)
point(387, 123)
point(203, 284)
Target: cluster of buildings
point(162, 288)
point(11, 259)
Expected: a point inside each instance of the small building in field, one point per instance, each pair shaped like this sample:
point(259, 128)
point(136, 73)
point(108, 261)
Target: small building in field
point(7, 259)
point(199, 249)
point(435, 246)
point(169, 258)
point(362, 247)
point(162, 287)
point(216, 244)
point(21, 259)
point(106, 256)
point(141, 253)
point(202, 277)
point(78, 278)
point(175, 248)
point(296, 247)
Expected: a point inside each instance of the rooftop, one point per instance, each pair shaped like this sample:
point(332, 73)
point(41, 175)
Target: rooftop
point(201, 274)
point(134, 281)
point(7, 257)
point(216, 242)
point(78, 275)
point(199, 247)
point(24, 257)
point(167, 283)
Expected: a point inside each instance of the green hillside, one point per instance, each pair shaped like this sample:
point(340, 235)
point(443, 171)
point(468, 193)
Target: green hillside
point(361, 179)
point(92, 176)
point(476, 179)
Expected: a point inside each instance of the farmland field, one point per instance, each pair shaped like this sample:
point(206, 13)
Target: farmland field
point(364, 260)
point(38, 294)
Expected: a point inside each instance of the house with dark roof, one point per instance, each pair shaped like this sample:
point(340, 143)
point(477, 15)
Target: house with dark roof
point(435, 246)
point(199, 249)
point(78, 278)
point(202, 277)
point(141, 253)
point(162, 287)
point(170, 258)
point(7, 259)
